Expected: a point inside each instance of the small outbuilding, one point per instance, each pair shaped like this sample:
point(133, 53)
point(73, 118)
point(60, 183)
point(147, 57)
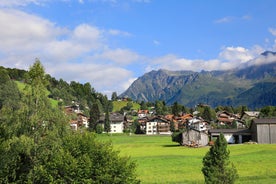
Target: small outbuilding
point(232, 136)
point(264, 130)
point(195, 138)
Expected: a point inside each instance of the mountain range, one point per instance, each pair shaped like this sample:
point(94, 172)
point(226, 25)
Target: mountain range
point(253, 85)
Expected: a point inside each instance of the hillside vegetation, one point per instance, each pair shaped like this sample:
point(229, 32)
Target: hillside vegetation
point(118, 105)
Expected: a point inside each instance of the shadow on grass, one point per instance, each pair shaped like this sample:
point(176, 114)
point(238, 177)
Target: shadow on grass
point(171, 145)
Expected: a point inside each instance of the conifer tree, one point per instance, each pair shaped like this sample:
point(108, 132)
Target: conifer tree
point(207, 114)
point(94, 116)
point(107, 127)
point(216, 165)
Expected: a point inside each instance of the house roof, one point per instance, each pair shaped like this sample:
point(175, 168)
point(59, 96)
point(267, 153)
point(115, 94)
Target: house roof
point(234, 131)
point(225, 120)
point(252, 113)
point(116, 117)
point(113, 117)
point(265, 121)
point(158, 118)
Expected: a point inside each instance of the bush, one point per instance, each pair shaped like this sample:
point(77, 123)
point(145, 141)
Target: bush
point(177, 137)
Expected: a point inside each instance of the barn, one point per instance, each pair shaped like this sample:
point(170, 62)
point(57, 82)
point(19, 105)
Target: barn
point(194, 138)
point(264, 130)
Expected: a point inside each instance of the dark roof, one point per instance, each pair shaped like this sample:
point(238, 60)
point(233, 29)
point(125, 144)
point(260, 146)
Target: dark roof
point(159, 118)
point(265, 121)
point(244, 130)
point(113, 117)
point(116, 117)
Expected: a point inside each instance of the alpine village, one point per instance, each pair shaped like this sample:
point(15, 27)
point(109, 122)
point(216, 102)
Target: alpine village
point(193, 109)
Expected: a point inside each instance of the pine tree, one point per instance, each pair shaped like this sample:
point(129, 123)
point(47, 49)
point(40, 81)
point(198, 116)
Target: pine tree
point(216, 165)
point(207, 114)
point(107, 127)
point(94, 116)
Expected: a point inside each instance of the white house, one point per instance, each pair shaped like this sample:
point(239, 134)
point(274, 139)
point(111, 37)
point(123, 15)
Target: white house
point(158, 125)
point(151, 128)
point(116, 123)
point(197, 124)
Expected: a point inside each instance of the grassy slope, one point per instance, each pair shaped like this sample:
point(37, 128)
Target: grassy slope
point(21, 87)
point(117, 105)
point(162, 161)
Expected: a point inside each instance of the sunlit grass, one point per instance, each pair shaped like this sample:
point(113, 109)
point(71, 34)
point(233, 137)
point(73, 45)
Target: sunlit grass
point(161, 161)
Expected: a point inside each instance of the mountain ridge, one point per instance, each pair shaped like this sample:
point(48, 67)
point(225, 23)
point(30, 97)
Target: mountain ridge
point(218, 87)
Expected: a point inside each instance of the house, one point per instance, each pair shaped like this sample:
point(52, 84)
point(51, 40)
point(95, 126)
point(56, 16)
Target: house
point(264, 130)
point(77, 118)
point(143, 113)
point(179, 121)
point(197, 124)
point(195, 138)
point(232, 136)
point(158, 125)
point(228, 119)
point(116, 123)
point(82, 120)
point(72, 109)
point(249, 115)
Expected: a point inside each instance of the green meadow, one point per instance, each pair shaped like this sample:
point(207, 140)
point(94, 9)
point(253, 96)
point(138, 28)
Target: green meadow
point(159, 160)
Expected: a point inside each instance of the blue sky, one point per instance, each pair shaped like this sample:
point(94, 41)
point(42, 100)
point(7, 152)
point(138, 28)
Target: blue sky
point(110, 43)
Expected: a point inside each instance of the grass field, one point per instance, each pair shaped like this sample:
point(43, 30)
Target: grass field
point(161, 161)
point(117, 105)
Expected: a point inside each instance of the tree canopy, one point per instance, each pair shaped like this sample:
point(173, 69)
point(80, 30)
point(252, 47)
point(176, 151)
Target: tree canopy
point(38, 146)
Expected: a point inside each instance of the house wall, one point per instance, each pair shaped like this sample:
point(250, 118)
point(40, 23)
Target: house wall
point(266, 133)
point(229, 138)
point(192, 136)
point(273, 133)
point(116, 127)
point(151, 128)
point(263, 133)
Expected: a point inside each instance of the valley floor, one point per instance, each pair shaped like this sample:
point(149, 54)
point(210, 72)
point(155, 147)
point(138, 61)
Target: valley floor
point(159, 160)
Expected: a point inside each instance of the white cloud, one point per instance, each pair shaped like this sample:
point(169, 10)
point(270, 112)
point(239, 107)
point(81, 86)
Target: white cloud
point(262, 60)
point(142, 1)
point(101, 77)
point(272, 31)
point(21, 31)
point(156, 42)
point(80, 54)
point(119, 56)
point(228, 58)
point(13, 3)
point(228, 19)
point(116, 32)
point(224, 20)
point(236, 54)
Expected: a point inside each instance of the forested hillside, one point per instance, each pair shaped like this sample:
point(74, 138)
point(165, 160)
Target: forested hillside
point(65, 93)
